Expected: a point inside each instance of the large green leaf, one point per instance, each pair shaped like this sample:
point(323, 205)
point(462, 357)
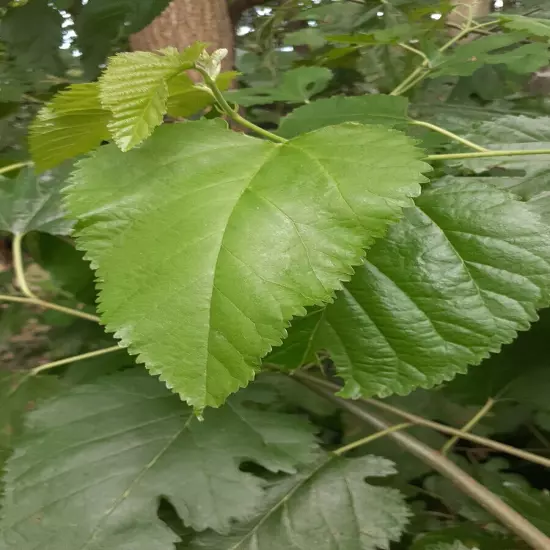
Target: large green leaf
point(330, 506)
point(94, 462)
point(33, 203)
point(387, 110)
point(207, 242)
point(531, 25)
point(457, 278)
point(71, 124)
point(134, 88)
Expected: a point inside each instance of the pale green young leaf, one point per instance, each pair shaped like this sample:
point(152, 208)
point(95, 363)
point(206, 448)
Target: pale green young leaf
point(451, 283)
point(297, 86)
point(330, 506)
point(381, 109)
point(93, 464)
point(72, 123)
point(185, 97)
point(134, 87)
point(33, 203)
point(207, 242)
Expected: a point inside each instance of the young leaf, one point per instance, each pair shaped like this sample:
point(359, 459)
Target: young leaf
point(33, 203)
point(71, 124)
point(185, 98)
point(94, 462)
point(297, 86)
point(207, 242)
point(453, 281)
point(134, 88)
point(330, 506)
point(387, 110)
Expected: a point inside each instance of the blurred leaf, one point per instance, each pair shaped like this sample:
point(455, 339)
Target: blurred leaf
point(33, 203)
point(531, 25)
point(470, 536)
point(297, 86)
point(368, 109)
point(72, 123)
point(305, 37)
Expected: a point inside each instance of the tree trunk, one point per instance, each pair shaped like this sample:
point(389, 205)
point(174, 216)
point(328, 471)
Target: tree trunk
point(187, 21)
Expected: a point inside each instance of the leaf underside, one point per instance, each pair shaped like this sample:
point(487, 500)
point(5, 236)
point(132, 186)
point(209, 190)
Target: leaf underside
point(207, 242)
point(93, 463)
point(451, 283)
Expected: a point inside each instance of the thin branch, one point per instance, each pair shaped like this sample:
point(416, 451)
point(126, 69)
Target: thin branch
point(489, 154)
point(450, 135)
point(417, 52)
point(372, 437)
point(73, 359)
point(230, 112)
point(19, 267)
point(441, 464)
point(469, 425)
point(15, 166)
point(484, 441)
point(50, 305)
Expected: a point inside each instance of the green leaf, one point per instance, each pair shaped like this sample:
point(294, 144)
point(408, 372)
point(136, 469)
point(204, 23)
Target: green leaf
point(531, 25)
point(330, 506)
point(94, 462)
point(470, 535)
point(32, 34)
point(453, 281)
point(297, 86)
point(102, 24)
point(305, 37)
point(387, 110)
point(470, 56)
point(185, 98)
point(233, 234)
point(134, 88)
point(33, 203)
point(71, 124)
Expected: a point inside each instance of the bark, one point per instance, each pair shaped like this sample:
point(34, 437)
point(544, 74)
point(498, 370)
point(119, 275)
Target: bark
point(187, 21)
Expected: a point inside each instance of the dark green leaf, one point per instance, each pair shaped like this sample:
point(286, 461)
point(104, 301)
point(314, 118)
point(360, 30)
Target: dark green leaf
point(330, 506)
point(94, 462)
point(33, 203)
point(387, 110)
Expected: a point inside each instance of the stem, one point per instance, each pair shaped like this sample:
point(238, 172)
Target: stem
point(372, 437)
point(73, 359)
point(469, 425)
point(230, 112)
point(441, 464)
point(20, 268)
point(406, 84)
point(444, 132)
point(50, 305)
point(488, 154)
point(484, 441)
point(15, 166)
point(415, 51)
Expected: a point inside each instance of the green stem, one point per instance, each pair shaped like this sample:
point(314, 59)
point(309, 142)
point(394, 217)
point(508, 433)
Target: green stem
point(420, 71)
point(421, 421)
point(415, 51)
point(15, 166)
point(468, 426)
point(230, 112)
point(50, 305)
point(441, 464)
point(19, 267)
point(488, 154)
point(444, 132)
point(372, 437)
point(73, 359)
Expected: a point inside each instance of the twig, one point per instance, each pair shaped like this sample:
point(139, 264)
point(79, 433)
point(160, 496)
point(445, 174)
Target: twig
point(372, 437)
point(486, 442)
point(451, 135)
point(488, 154)
point(19, 267)
point(15, 166)
point(469, 425)
point(467, 484)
